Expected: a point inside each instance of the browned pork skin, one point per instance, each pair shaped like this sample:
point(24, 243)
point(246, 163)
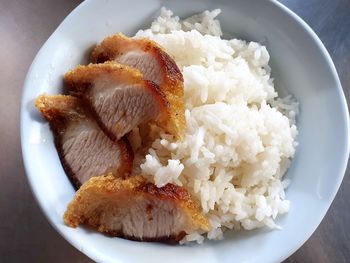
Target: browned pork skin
point(118, 95)
point(135, 209)
point(156, 65)
point(83, 148)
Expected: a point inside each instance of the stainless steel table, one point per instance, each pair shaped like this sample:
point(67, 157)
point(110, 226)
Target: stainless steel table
point(25, 235)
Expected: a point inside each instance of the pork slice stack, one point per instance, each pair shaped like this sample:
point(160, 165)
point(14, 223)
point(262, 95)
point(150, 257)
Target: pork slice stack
point(133, 82)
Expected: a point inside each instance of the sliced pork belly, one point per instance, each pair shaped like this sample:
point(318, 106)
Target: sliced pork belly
point(155, 64)
point(135, 209)
point(83, 148)
point(118, 95)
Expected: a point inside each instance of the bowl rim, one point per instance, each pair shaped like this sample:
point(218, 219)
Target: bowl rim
point(344, 108)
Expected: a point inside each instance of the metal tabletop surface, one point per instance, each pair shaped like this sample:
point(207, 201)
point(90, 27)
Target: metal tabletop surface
point(25, 234)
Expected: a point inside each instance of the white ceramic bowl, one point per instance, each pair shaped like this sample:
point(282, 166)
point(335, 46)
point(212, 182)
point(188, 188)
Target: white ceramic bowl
point(300, 65)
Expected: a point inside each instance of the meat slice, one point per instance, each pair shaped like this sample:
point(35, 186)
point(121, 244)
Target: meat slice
point(135, 209)
point(83, 148)
point(155, 64)
point(118, 95)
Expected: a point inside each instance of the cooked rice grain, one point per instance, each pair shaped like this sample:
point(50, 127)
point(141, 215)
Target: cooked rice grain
point(240, 137)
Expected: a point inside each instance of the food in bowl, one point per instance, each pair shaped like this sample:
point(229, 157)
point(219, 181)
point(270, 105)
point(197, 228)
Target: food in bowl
point(156, 65)
point(200, 137)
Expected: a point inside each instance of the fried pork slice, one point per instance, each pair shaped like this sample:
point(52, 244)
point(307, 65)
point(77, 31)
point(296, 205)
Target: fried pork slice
point(135, 209)
point(155, 64)
point(83, 148)
point(118, 95)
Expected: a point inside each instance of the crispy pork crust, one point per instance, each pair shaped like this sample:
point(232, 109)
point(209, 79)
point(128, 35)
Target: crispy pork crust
point(172, 83)
point(59, 107)
point(58, 110)
point(82, 78)
point(87, 208)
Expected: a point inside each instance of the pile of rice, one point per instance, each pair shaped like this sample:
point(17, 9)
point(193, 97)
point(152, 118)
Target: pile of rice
point(240, 137)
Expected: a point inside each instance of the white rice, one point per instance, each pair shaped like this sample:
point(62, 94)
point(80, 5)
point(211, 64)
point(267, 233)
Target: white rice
point(240, 137)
